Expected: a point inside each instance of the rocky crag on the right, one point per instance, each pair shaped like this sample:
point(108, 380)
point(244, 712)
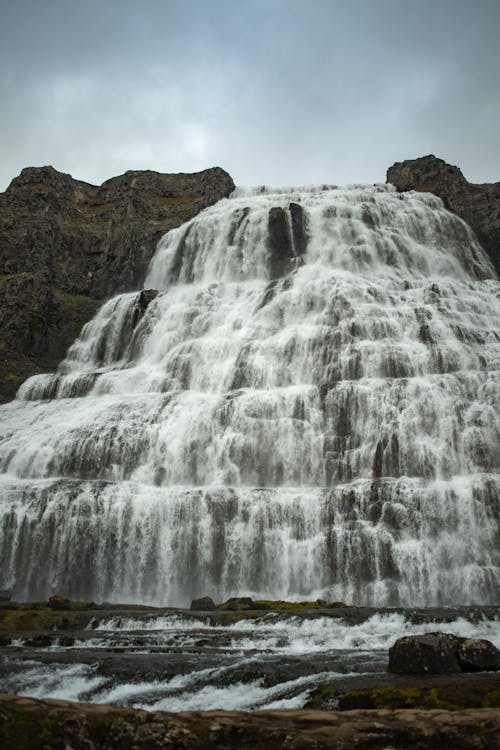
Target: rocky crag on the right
point(478, 205)
point(66, 246)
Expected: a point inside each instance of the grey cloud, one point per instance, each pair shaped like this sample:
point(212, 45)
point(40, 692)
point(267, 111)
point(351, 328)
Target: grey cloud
point(281, 91)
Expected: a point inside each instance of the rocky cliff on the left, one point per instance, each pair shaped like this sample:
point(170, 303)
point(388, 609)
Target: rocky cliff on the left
point(66, 245)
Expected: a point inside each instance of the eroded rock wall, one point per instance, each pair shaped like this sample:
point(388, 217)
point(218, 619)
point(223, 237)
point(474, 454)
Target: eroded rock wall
point(478, 205)
point(66, 245)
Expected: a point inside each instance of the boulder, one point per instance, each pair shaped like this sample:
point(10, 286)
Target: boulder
point(204, 604)
point(59, 603)
point(442, 653)
point(429, 653)
point(477, 655)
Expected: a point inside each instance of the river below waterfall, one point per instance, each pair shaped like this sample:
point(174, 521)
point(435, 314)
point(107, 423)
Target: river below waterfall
point(177, 661)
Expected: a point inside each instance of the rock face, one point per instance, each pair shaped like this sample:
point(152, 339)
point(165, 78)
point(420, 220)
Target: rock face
point(29, 723)
point(442, 653)
point(65, 246)
point(478, 205)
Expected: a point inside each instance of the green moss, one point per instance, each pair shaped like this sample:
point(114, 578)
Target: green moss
point(74, 303)
point(245, 603)
point(22, 729)
point(43, 618)
point(318, 604)
point(452, 696)
point(237, 604)
point(5, 277)
point(14, 369)
point(492, 699)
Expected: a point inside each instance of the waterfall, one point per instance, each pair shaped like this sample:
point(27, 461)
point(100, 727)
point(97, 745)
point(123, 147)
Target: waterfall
point(302, 402)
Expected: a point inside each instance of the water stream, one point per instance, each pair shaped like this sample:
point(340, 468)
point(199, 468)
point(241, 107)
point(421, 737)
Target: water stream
point(306, 406)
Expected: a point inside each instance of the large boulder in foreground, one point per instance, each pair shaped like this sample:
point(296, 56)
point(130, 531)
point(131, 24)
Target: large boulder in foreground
point(66, 246)
point(442, 653)
point(478, 205)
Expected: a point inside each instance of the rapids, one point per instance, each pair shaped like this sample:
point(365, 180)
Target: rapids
point(306, 406)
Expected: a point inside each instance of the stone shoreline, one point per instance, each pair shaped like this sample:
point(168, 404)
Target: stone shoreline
point(32, 724)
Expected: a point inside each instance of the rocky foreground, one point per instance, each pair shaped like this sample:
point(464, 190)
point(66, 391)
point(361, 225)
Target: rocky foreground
point(33, 724)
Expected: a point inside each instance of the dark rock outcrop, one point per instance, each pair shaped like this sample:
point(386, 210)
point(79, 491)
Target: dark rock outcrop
point(287, 239)
point(478, 205)
point(204, 604)
point(29, 723)
point(442, 653)
point(59, 603)
point(65, 246)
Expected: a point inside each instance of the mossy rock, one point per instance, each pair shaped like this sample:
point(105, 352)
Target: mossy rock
point(492, 699)
point(245, 603)
point(449, 696)
point(323, 699)
point(237, 604)
point(59, 603)
point(283, 605)
point(41, 619)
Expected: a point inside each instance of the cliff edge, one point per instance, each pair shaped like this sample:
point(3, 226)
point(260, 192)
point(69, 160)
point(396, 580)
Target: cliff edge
point(66, 246)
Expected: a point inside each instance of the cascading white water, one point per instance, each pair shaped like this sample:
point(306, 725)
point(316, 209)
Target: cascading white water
point(307, 407)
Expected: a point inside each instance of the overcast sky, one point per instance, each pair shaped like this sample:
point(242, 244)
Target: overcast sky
point(274, 91)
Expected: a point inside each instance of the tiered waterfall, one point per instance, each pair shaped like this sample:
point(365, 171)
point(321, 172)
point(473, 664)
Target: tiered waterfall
point(302, 402)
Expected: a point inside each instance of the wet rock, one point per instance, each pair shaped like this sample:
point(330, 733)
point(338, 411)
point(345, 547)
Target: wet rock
point(287, 240)
point(279, 244)
point(39, 641)
point(441, 653)
point(478, 205)
point(146, 296)
point(478, 655)
point(299, 232)
point(59, 603)
point(204, 604)
point(5, 595)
